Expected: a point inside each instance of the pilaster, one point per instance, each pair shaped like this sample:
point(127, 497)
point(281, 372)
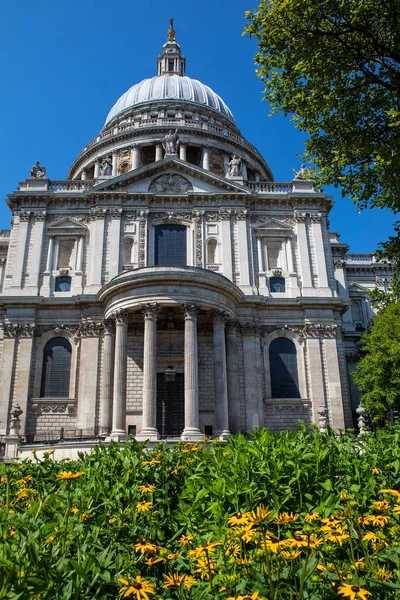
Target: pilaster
point(95, 261)
point(88, 374)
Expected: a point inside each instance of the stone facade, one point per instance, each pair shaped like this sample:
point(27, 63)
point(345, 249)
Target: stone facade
point(200, 335)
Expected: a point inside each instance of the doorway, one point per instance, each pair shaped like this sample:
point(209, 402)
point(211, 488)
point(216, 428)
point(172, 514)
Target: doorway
point(170, 405)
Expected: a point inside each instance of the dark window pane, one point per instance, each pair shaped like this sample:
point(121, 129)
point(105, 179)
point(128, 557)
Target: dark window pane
point(277, 284)
point(170, 246)
point(283, 366)
point(63, 284)
point(56, 369)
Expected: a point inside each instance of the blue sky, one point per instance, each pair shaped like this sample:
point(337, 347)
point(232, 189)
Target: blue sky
point(64, 63)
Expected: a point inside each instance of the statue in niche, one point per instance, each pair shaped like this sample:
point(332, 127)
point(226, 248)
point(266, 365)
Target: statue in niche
point(235, 166)
point(170, 142)
point(304, 173)
point(106, 166)
point(37, 171)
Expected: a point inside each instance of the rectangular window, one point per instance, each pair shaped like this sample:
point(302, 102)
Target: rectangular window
point(65, 254)
point(170, 245)
point(171, 65)
point(275, 255)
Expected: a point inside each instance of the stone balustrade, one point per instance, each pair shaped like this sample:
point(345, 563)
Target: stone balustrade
point(73, 185)
point(360, 258)
point(268, 186)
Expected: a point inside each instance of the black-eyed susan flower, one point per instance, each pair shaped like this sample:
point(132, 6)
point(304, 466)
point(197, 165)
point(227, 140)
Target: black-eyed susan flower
point(353, 591)
point(285, 517)
point(377, 520)
point(292, 555)
point(239, 519)
point(69, 475)
point(391, 492)
point(205, 566)
point(383, 574)
point(175, 580)
point(259, 515)
point(147, 488)
point(153, 560)
point(143, 506)
point(137, 587)
point(381, 505)
point(189, 582)
point(254, 596)
point(150, 463)
point(310, 517)
point(146, 547)
point(375, 470)
point(184, 540)
point(208, 548)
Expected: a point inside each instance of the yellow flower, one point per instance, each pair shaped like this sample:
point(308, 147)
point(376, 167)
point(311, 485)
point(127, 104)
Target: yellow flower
point(175, 580)
point(396, 509)
point(381, 505)
point(254, 596)
point(150, 463)
point(185, 539)
point(112, 520)
point(239, 519)
point(12, 531)
point(147, 488)
point(290, 555)
point(51, 539)
point(285, 517)
point(189, 581)
point(137, 587)
point(310, 517)
point(383, 575)
point(336, 537)
point(24, 480)
point(74, 510)
point(226, 453)
point(146, 547)
point(353, 591)
point(180, 468)
point(259, 515)
point(370, 537)
point(391, 492)
point(153, 560)
point(85, 516)
point(204, 567)
point(69, 475)
point(208, 548)
point(143, 506)
point(375, 470)
point(173, 555)
point(377, 520)
point(274, 547)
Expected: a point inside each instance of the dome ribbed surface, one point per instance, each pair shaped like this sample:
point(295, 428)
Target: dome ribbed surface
point(170, 87)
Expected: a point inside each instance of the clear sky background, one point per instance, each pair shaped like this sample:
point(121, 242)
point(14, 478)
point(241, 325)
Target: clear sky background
point(64, 63)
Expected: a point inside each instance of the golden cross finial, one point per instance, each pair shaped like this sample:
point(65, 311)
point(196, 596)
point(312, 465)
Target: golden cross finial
point(171, 31)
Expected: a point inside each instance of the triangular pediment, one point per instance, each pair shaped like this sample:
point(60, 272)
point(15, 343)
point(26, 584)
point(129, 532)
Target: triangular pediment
point(170, 176)
point(273, 226)
point(66, 224)
point(357, 288)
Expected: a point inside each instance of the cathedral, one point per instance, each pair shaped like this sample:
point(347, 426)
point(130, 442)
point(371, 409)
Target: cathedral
point(169, 288)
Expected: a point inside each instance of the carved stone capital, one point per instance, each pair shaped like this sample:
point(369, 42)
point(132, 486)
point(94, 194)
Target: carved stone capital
point(40, 216)
point(24, 215)
point(339, 264)
point(13, 330)
point(250, 328)
point(315, 218)
point(108, 326)
point(321, 330)
point(97, 213)
point(242, 215)
point(121, 317)
point(116, 213)
point(190, 311)
point(90, 328)
point(219, 318)
point(149, 310)
point(300, 217)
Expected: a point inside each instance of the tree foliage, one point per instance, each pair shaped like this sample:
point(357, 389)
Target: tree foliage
point(335, 66)
point(378, 372)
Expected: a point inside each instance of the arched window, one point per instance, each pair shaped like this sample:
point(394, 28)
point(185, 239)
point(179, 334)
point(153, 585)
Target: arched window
point(170, 245)
point(277, 284)
point(56, 369)
point(283, 367)
point(211, 251)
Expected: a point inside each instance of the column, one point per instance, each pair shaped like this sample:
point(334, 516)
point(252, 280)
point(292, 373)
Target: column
point(114, 163)
point(302, 245)
point(244, 170)
point(49, 263)
point(158, 151)
point(19, 260)
point(206, 158)
point(232, 377)
point(84, 175)
point(136, 157)
point(220, 379)
point(6, 373)
point(244, 263)
point(149, 415)
point(316, 375)
point(252, 377)
point(79, 253)
point(88, 376)
point(226, 247)
point(107, 378)
point(36, 250)
point(334, 384)
point(191, 431)
point(96, 169)
point(114, 240)
point(182, 151)
point(320, 256)
point(118, 432)
point(95, 261)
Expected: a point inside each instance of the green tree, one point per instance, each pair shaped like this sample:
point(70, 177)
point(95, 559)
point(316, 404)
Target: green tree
point(335, 66)
point(378, 372)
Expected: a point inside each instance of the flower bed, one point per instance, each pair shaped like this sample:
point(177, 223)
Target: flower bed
point(289, 517)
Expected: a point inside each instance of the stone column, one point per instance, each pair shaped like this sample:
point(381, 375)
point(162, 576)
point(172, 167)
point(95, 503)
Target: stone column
point(36, 249)
point(21, 250)
point(114, 240)
point(79, 253)
point(335, 391)
point(226, 245)
point(244, 170)
point(252, 376)
point(182, 151)
point(50, 253)
point(114, 163)
point(220, 378)
point(84, 175)
point(136, 157)
point(22, 365)
point(302, 244)
point(191, 431)
point(232, 377)
point(316, 375)
point(118, 432)
point(158, 151)
point(96, 169)
point(243, 244)
point(149, 415)
point(107, 378)
point(206, 158)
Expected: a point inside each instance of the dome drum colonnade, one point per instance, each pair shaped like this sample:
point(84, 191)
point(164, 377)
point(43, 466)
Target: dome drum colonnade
point(127, 295)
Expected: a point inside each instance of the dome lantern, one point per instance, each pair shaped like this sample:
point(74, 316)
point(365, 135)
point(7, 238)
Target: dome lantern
point(171, 61)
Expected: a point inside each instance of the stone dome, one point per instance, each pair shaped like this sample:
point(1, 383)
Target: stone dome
point(170, 87)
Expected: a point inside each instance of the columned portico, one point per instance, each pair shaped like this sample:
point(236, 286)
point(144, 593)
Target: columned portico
point(191, 431)
point(220, 376)
point(120, 371)
point(149, 415)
